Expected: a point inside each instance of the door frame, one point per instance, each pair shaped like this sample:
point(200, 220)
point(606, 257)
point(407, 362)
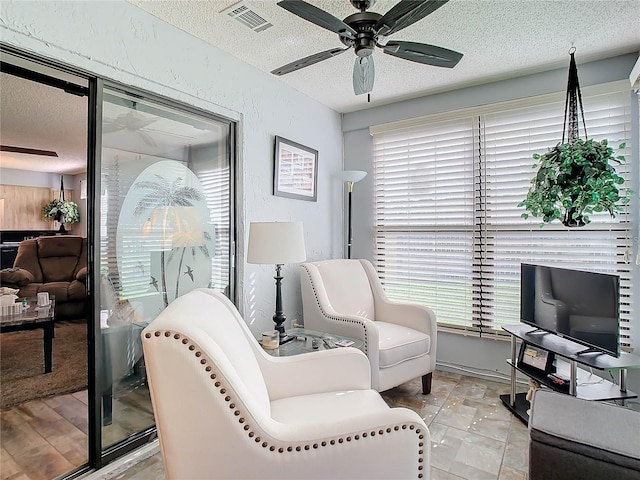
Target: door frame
point(97, 457)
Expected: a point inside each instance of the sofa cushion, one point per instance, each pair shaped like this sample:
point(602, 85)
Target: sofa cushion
point(398, 344)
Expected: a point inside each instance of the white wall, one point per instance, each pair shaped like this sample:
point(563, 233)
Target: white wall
point(13, 176)
point(480, 355)
point(117, 40)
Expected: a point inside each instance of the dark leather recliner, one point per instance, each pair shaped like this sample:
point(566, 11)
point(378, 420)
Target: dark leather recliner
point(57, 265)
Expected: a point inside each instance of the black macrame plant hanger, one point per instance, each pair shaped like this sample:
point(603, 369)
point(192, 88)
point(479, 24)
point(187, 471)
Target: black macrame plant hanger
point(571, 128)
point(573, 99)
point(60, 217)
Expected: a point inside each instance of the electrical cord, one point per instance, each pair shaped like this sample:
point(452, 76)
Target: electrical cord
point(480, 372)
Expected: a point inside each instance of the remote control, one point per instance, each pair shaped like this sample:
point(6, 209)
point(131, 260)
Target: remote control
point(314, 344)
point(558, 380)
point(329, 343)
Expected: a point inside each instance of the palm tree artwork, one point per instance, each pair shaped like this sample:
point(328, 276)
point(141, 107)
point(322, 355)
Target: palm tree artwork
point(169, 206)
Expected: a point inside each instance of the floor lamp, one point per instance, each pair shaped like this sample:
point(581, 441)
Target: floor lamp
point(276, 243)
point(351, 177)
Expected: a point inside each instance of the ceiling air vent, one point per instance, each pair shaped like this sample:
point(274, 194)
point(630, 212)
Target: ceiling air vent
point(248, 17)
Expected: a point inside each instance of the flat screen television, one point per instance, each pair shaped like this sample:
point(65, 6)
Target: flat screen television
point(578, 305)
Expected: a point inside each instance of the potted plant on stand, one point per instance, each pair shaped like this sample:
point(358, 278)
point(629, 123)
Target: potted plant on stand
point(61, 210)
point(578, 177)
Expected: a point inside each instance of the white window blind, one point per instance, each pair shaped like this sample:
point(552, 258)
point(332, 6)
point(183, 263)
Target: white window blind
point(449, 233)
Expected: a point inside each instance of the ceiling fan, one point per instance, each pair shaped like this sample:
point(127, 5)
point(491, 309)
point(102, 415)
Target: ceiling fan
point(366, 30)
point(132, 121)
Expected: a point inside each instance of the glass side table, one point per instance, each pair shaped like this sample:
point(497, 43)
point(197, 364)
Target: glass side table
point(305, 343)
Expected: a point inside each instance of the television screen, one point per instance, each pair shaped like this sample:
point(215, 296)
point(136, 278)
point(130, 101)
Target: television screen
point(578, 305)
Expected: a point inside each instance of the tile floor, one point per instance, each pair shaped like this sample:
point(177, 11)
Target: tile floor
point(473, 436)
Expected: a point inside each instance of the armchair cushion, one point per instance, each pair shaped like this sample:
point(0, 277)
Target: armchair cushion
point(327, 407)
point(398, 344)
point(341, 277)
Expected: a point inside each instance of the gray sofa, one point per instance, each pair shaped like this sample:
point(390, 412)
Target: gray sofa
point(573, 438)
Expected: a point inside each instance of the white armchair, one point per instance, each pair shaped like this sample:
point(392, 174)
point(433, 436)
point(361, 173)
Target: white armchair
point(345, 297)
point(226, 409)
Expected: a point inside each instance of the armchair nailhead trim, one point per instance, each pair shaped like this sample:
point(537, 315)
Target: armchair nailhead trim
point(290, 448)
point(337, 319)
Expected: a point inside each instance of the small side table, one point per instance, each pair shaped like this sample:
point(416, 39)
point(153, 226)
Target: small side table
point(296, 347)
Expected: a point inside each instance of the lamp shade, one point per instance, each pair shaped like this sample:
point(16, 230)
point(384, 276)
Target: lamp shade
point(276, 243)
point(352, 175)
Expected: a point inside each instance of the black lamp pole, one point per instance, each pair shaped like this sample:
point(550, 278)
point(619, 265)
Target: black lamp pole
point(279, 317)
point(350, 230)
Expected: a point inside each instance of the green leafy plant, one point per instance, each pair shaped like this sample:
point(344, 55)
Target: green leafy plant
point(61, 210)
point(574, 180)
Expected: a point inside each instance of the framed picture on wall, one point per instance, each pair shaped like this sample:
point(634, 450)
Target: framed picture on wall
point(295, 170)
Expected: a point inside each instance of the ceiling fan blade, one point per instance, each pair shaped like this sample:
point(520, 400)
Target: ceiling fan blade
point(364, 74)
point(146, 138)
point(310, 60)
point(423, 53)
point(28, 151)
point(405, 13)
point(315, 15)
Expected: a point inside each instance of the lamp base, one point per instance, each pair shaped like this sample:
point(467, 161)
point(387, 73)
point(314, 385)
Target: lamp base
point(278, 317)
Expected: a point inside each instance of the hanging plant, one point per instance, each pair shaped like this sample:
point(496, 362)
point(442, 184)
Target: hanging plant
point(61, 210)
point(576, 178)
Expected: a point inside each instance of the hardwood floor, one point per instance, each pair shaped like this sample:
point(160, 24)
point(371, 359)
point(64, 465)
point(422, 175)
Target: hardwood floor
point(43, 439)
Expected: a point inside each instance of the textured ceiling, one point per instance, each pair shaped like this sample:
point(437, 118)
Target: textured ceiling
point(499, 39)
point(33, 115)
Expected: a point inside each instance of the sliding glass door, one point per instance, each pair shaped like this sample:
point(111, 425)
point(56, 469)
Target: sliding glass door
point(166, 228)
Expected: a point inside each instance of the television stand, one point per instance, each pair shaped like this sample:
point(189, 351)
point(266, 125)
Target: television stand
point(568, 355)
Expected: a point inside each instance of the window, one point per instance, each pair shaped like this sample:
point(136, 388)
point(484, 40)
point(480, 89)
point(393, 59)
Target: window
point(448, 230)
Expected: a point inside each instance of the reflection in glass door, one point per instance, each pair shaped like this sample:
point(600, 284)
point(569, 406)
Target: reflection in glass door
point(166, 228)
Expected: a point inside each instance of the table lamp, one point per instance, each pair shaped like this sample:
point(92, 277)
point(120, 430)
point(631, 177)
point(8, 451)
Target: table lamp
point(351, 177)
point(276, 243)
